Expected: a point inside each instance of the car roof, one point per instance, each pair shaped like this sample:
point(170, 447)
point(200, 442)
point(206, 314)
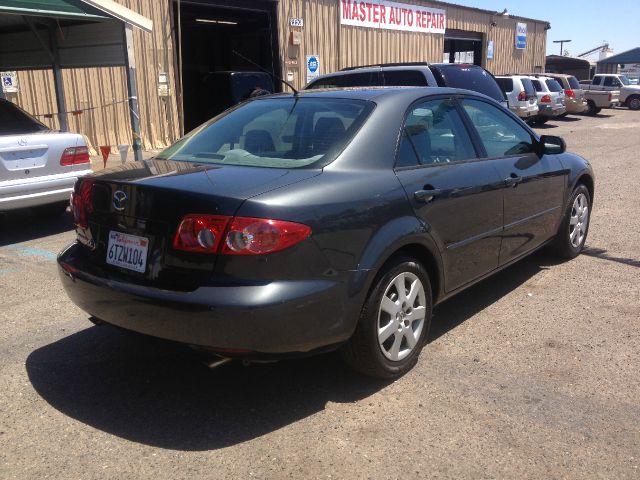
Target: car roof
point(376, 94)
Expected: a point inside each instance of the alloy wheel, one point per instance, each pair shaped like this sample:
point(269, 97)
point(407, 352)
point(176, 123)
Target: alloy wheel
point(401, 316)
point(579, 220)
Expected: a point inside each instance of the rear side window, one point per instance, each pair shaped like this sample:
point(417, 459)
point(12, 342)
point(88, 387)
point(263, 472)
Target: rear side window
point(553, 85)
point(537, 85)
point(501, 135)
point(528, 87)
point(355, 79)
point(573, 83)
point(434, 134)
point(404, 78)
point(14, 120)
point(506, 84)
point(470, 77)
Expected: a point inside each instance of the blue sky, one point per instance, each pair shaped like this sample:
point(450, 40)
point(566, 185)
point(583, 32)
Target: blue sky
point(586, 23)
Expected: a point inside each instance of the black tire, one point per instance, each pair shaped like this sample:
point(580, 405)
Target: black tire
point(52, 209)
point(597, 110)
point(562, 245)
point(363, 352)
point(591, 108)
point(633, 102)
point(541, 121)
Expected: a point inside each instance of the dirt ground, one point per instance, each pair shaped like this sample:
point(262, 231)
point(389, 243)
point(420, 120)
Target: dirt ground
point(533, 373)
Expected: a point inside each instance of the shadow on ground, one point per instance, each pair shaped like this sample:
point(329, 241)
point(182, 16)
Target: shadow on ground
point(18, 226)
point(157, 393)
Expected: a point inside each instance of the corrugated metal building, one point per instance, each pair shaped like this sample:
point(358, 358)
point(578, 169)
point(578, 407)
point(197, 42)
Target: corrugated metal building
point(195, 37)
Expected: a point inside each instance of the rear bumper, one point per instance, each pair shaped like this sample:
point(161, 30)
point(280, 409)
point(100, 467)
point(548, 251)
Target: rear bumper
point(550, 111)
point(575, 106)
point(275, 318)
point(525, 112)
point(37, 191)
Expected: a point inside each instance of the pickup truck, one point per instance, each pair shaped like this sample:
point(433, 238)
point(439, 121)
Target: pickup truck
point(629, 94)
point(598, 99)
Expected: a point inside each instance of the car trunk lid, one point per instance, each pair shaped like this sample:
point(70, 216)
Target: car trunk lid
point(136, 208)
point(35, 155)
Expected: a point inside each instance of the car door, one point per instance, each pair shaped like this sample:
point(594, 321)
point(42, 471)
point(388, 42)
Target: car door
point(535, 184)
point(456, 194)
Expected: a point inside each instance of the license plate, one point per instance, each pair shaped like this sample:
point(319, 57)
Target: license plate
point(127, 251)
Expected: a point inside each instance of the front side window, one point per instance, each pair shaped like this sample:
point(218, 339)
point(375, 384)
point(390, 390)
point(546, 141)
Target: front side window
point(610, 82)
point(500, 134)
point(287, 132)
point(537, 85)
point(434, 133)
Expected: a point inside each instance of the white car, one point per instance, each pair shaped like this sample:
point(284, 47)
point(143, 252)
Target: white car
point(521, 96)
point(550, 98)
point(38, 166)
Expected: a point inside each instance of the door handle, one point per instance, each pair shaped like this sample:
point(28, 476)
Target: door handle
point(426, 196)
point(513, 180)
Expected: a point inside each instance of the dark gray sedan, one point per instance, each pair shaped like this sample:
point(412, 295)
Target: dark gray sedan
point(324, 220)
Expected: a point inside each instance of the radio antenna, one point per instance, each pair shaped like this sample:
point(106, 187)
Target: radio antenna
point(295, 91)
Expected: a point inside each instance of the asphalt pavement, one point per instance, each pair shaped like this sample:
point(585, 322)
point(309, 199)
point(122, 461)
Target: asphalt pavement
point(533, 373)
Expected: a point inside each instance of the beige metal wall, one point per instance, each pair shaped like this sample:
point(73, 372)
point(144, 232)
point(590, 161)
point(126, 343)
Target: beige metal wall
point(343, 46)
point(95, 90)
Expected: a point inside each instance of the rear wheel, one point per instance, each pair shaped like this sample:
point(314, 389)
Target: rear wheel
point(572, 234)
point(541, 121)
point(591, 108)
point(394, 322)
point(634, 102)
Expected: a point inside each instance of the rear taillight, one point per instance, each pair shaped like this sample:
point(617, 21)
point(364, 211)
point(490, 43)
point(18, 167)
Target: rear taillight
point(81, 204)
point(522, 96)
point(237, 235)
point(74, 156)
point(610, 97)
point(570, 93)
point(545, 99)
point(200, 233)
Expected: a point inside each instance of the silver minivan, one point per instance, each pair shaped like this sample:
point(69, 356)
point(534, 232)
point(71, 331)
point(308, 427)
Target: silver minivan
point(521, 95)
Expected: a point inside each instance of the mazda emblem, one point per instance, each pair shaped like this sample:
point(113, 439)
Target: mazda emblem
point(119, 200)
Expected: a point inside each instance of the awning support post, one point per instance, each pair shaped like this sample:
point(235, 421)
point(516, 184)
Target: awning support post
point(133, 92)
point(57, 80)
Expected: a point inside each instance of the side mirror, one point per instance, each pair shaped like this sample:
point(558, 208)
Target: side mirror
point(551, 145)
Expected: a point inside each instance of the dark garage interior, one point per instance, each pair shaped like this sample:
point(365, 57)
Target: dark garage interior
point(208, 34)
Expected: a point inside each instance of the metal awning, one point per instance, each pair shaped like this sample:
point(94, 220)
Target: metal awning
point(72, 9)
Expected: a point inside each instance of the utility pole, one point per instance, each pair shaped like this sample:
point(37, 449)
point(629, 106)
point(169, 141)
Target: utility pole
point(561, 42)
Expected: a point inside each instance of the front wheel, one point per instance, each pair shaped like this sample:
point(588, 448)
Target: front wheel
point(394, 322)
point(572, 234)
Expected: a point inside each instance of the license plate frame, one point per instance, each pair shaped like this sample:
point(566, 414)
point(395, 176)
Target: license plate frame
point(127, 251)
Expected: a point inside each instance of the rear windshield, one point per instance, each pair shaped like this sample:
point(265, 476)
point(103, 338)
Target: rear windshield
point(574, 83)
point(470, 77)
point(287, 132)
point(529, 87)
point(14, 120)
point(506, 84)
point(553, 85)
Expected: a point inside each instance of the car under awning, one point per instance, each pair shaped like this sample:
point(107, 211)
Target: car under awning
point(57, 34)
